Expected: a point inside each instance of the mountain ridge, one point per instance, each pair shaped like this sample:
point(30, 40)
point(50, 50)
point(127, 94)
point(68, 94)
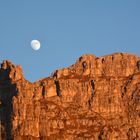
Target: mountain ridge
point(97, 98)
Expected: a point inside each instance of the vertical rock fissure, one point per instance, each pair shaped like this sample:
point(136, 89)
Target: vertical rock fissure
point(101, 134)
point(90, 101)
point(92, 87)
point(138, 65)
point(43, 91)
point(124, 88)
point(58, 91)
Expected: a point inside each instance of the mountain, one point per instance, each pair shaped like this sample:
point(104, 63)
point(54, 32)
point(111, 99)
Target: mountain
point(97, 98)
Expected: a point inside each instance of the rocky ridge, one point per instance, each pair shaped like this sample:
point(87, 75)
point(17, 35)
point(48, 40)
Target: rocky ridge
point(97, 98)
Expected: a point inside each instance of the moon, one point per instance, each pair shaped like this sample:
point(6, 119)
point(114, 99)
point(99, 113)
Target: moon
point(35, 44)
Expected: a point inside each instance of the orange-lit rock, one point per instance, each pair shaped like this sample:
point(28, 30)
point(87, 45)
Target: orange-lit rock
point(94, 99)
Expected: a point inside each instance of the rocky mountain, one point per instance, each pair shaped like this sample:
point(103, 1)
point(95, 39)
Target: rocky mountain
point(97, 98)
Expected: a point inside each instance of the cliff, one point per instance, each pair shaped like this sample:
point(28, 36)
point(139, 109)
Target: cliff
point(94, 99)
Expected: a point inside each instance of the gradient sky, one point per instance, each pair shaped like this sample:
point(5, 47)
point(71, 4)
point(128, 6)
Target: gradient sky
point(66, 29)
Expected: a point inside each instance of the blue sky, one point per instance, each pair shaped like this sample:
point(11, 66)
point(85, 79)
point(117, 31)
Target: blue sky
point(66, 29)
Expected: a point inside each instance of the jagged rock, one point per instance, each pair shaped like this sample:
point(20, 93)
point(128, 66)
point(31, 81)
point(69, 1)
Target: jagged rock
point(97, 98)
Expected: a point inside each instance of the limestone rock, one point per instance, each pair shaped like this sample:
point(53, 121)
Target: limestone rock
point(97, 98)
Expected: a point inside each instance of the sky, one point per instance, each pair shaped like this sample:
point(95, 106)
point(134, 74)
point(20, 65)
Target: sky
point(66, 29)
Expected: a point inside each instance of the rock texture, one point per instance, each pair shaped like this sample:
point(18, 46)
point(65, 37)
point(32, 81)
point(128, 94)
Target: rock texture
point(94, 99)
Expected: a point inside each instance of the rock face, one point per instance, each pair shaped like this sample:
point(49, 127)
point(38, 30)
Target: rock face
point(94, 99)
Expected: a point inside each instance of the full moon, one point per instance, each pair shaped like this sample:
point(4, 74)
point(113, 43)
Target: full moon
point(35, 44)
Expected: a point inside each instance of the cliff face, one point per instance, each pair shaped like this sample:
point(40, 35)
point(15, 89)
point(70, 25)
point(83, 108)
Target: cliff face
point(94, 99)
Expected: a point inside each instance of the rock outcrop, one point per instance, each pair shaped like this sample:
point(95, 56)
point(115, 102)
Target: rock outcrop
point(94, 99)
